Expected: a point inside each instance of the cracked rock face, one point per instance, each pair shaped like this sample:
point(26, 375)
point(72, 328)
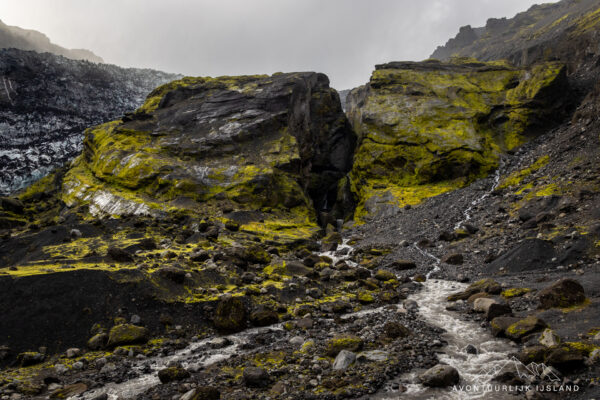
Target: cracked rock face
point(430, 127)
point(280, 142)
point(46, 102)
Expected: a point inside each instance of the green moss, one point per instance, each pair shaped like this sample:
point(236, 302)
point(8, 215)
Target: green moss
point(515, 292)
point(585, 348)
point(365, 297)
point(517, 177)
point(347, 342)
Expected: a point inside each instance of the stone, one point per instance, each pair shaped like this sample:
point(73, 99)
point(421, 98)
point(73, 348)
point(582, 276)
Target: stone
point(30, 358)
point(500, 324)
point(255, 377)
point(528, 255)
point(524, 327)
point(563, 293)
point(482, 304)
point(264, 316)
point(343, 342)
point(384, 275)
point(174, 274)
point(126, 334)
point(73, 352)
point(372, 356)
point(343, 360)
point(75, 234)
point(440, 376)
point(69, 391)
point(297, 341)
point(119, 255)
point(496, 310)
point(98, 341)
point(470, 349)
point(202, 393)
point(549, 339)
point(453, 258)
point(483, 286)
point(172, 374)
point(564, 358)
point(395, 330)
point(230, 315)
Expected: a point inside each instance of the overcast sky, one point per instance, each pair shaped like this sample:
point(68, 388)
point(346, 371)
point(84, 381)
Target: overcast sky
point(342, 38)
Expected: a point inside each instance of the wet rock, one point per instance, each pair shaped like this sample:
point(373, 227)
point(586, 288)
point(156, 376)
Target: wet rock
point(524, 327)
point(172, 374)
point(531, 354)
point(75, 234)
point(440, 376)
point(331, 241)
point(230, 315)
point(470, 349)
point(454, 259)
point(119, 255)
point(126, 334)
point(255, 377)
point(563, 293)
point(410, 305)
point(264, 316)
point(343, 360)
point(419, 278)
point(395, 330)
point(30, 358)
point(344, 342)
point(491, 308)
point(219, 342)
point(311, 260)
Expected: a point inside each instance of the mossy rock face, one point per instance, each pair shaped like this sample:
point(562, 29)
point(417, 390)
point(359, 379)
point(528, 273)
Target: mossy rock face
point(430, 127)
point(346, 342)
point(563, 293)
point(275, 143)
point(126, 334)
point(230, 315)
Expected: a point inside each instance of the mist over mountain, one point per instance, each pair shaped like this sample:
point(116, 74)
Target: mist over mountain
point(29, 39)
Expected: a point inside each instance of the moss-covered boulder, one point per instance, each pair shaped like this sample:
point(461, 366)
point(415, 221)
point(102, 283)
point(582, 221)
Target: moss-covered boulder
point(126, 334)
point(274, 144)
point(524, 327)
point(482, 286)
point(429, 127)
point(344, 342)
point(563, 293)
point(231, 315)
point(172, 374)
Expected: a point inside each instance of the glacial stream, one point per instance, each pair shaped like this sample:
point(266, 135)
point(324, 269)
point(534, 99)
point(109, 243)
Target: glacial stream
point(476, 370)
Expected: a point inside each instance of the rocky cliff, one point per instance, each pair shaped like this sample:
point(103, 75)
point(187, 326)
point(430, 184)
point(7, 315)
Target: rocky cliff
point(426, 128)
point(566, 30)
point(29, 39)
point(47, 101)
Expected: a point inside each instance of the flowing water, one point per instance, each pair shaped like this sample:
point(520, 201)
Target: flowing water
point(476, 370)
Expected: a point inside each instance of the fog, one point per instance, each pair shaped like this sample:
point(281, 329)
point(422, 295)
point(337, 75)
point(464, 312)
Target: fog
point(342, 38)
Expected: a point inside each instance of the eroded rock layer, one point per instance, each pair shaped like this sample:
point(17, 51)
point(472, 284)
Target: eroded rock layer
point(429, 127)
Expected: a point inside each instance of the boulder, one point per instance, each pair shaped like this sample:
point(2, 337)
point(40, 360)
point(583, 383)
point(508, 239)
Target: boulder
point(395, 330)
point(563, 293)
point(343, 342)
point(549, 338)
point(119, 255)
point(524, 327)
point(500, 324)
point(343, 360)
point(202, 393)
point(172, 374)
point(384, 275)
point(263, 316)
point(173, 274)
point(126, 334)
point(453, 258)
point(483, 286)
point(255, 377)
point(564, 358)
point(230, 315)
point(440, 376)
point(30, 358)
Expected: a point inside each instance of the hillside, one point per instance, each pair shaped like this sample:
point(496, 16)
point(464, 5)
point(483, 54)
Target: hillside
point(28, 39)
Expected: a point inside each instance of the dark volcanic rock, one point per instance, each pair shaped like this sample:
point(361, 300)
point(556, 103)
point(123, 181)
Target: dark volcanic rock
point(530, 254)
point(48, 103)
point(440, 376)
point(563, 293)
point(231, 315)
point(172, 374)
